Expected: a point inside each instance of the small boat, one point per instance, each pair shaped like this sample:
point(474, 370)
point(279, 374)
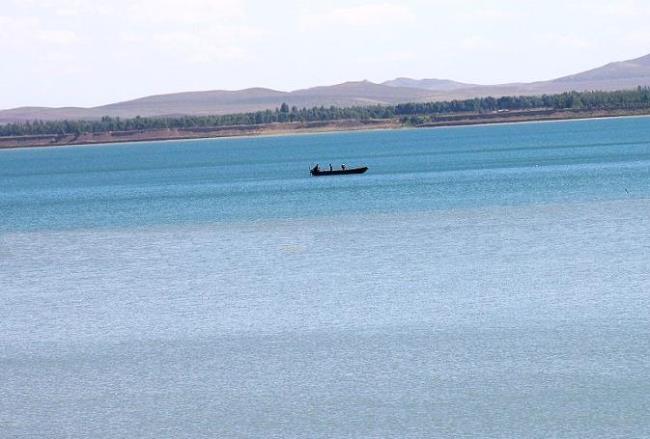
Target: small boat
point(317, 172)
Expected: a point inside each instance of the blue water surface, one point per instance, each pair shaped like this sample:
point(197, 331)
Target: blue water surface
point(249, 179)
point(486, 281)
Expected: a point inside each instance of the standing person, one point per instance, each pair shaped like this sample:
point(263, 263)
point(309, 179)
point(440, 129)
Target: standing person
point(330, 167)
point(343, 167)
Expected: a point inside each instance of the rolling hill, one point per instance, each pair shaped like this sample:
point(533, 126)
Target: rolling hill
point(428, 84)
point(613, 76)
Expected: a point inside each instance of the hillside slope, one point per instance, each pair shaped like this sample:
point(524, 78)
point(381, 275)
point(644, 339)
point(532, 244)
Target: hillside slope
point(613, 76)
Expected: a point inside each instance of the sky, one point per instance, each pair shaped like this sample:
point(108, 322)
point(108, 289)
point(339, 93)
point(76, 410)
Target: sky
point(87, 53)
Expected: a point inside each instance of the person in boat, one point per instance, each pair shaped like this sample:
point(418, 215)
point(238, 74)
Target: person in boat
point(343, 167)
point(316, 168)
point(330, 167)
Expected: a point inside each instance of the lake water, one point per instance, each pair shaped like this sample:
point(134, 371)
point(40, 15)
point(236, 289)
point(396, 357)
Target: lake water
point(488, 281)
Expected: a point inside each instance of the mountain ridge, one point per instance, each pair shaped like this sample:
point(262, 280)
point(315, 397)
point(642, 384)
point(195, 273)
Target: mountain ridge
point(612, 76)
point(433, 84)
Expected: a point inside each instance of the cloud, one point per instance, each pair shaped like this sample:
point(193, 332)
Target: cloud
point(476, 42)
point(57, 36)
point(38, 49)
point(372, 14)
point(564, 40)
point(196, 31)
point(185, 11)
point(17, 32)
point(493, 14)
point(218, 43)
point(619, 8)
point(66, 8)
point(197, 49)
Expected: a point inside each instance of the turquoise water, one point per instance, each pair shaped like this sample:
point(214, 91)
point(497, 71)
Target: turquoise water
point(256, 179)
point(487, 281)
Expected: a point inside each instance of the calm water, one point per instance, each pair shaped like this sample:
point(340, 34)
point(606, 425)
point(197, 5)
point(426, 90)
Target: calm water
point(477, 282)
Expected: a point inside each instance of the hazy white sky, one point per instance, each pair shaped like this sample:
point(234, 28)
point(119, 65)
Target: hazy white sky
point(85, 52)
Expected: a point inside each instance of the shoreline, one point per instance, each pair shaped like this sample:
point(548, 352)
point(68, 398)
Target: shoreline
point(293, 128)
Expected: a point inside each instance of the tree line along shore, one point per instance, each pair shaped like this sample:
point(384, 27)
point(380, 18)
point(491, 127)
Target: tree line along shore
point(285, 119)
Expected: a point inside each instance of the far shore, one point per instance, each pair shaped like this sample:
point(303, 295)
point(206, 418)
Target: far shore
point(279, 129)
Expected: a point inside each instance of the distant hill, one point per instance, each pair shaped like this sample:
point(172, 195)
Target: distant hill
point(428, 84)
point(354, 93)
point(360, 93)
point(613, 76)
point(198, 102)
point(627, 73)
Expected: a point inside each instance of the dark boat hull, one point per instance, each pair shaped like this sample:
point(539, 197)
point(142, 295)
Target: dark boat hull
point(339, 172)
